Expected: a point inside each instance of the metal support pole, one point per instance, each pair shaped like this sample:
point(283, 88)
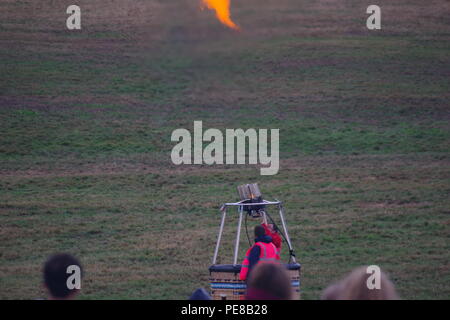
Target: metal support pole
point(264, 217)
point(280, 206)
point(216, 252)
point(238, 236)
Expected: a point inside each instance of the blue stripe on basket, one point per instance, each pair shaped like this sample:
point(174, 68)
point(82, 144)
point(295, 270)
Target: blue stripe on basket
point(221, 285)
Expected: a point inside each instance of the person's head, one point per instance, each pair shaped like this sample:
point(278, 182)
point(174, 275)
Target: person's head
point(354, 287)
point(332, 292)
point(269, 281)
point(259, 231)
point(200, 294)
point(56, 274)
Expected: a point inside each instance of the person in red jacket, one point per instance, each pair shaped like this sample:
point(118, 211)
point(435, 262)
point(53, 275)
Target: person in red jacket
point(270, 231)
point(263, 250)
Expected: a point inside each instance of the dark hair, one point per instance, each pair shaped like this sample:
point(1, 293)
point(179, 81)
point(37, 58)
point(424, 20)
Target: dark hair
point(55, 274)
point(200, 294)
point(259, 231)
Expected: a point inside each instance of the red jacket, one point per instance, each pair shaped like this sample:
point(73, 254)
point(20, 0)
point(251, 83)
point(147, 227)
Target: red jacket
point(276, 239)
point(267, 252)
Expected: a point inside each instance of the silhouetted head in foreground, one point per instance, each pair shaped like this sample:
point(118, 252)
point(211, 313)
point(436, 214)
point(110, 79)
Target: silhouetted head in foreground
point(269, 281)
point(57, 271)
point(200, 294)
point(360, 285)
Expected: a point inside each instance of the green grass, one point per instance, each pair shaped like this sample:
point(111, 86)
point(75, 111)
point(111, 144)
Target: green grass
point(86, 119)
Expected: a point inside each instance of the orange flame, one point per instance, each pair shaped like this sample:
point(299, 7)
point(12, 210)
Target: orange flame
point(222, 8)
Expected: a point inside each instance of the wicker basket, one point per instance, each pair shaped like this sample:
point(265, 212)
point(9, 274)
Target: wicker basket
point(225, 283)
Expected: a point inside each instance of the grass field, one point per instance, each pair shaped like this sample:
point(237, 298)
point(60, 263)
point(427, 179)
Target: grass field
point(86, 118)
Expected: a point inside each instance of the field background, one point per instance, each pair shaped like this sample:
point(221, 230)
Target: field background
point(86, 118)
